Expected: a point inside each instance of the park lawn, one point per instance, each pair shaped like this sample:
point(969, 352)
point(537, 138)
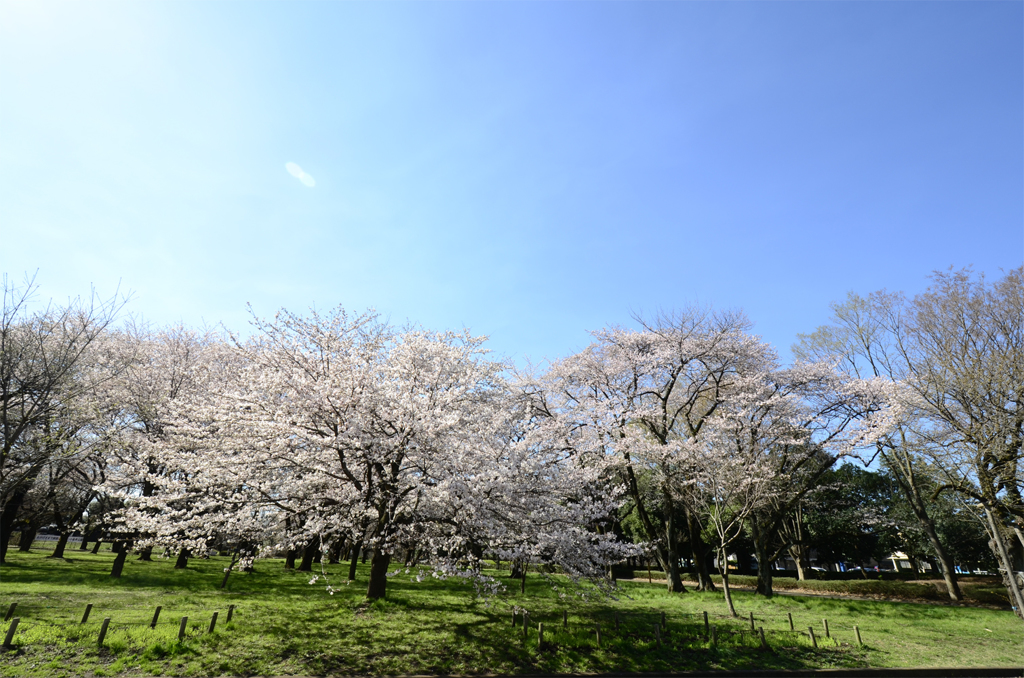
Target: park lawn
point(284, 625)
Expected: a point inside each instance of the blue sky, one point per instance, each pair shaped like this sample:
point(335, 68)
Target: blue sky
point(530, 170)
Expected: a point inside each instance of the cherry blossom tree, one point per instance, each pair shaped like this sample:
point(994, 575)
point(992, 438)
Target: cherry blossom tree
point(633, 400)
point(343, 427)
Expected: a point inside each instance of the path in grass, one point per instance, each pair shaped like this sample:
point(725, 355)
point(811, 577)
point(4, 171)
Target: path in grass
point(283, 625)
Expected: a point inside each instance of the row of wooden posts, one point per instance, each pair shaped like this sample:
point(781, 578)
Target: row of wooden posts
point(710, 631)
point(182, 626)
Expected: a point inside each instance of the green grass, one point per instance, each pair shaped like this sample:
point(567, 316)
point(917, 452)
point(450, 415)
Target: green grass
point(283, 625)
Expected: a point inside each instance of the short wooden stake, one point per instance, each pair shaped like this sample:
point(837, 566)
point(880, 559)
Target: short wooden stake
point(231, 612)
point(103, 631)
point(513, 617)
point(814, 641)
point(825, 623)
point(156, 615)
point(597, 631)
point(10, 612)
point(181, 628)
point(764, 643)
point(9, 638)
point(664, 624)
point(616, 621)
point(714, 636)
point(752, 621)
point(526, 623)
point(707, 629)
point(791, 627)
point(540, 634)
point(88, 609)
point(657, 634)
point(213, 623)
point(565, 619)
point(856, 631)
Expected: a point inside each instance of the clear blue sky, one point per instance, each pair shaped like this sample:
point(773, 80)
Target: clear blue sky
point(529, 170)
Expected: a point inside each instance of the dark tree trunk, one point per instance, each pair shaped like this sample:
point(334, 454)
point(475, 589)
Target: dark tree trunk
point(309, 554)
point(700, 552)
point(182, 562)
point(28, 537)
point(146, 554)
point(762, 551)
point(96, 546)
point(673, 576)
point(378, 574)
point(122, 555)
point(334, 553)
point(289, 559)
point(117, 546)
point(62, 542)
point(355, 560)
point(91, 535)
point(8, 516)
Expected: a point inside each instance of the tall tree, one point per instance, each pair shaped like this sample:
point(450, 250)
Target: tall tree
point(43, 368)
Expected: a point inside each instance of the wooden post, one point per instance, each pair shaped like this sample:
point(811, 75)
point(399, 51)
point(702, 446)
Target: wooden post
point(791, 627)
point(825, 623)
point(156, 615)
point(540, 634)
point(513, 617)
point(856, 630)
point(9, 638)
point(752, 621)
point(664, 625)
point(616, 620)
point(597, 630)
point(10, 612)
point(714, 636)
point(181, 628)
point(707, 629)
point(814, 641)
point(103, 631)
point(657, 634)
point(565, 619)
point(213, 623)
point(231, 612)
point(88, 609)
point(764, 643)
point(526, 623)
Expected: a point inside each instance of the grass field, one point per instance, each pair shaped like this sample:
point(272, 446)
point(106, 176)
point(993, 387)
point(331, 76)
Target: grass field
point(283, 625)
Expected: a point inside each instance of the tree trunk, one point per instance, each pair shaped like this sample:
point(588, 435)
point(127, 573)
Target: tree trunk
point(1009, 580)
point(700, 551)
point(798, 552)
point(146, 554)
point(8, 516)
point(62, 542)
point(122, 555)
point(289, 559)
point(355, 560)
point(28, 537)
point(334, 553)
point(378, 574)
point(96, 546)
point(764, 564)
point(945, 562)
point(724, 567)
point(310, 554)
point(182, 562)
point(117, 546)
